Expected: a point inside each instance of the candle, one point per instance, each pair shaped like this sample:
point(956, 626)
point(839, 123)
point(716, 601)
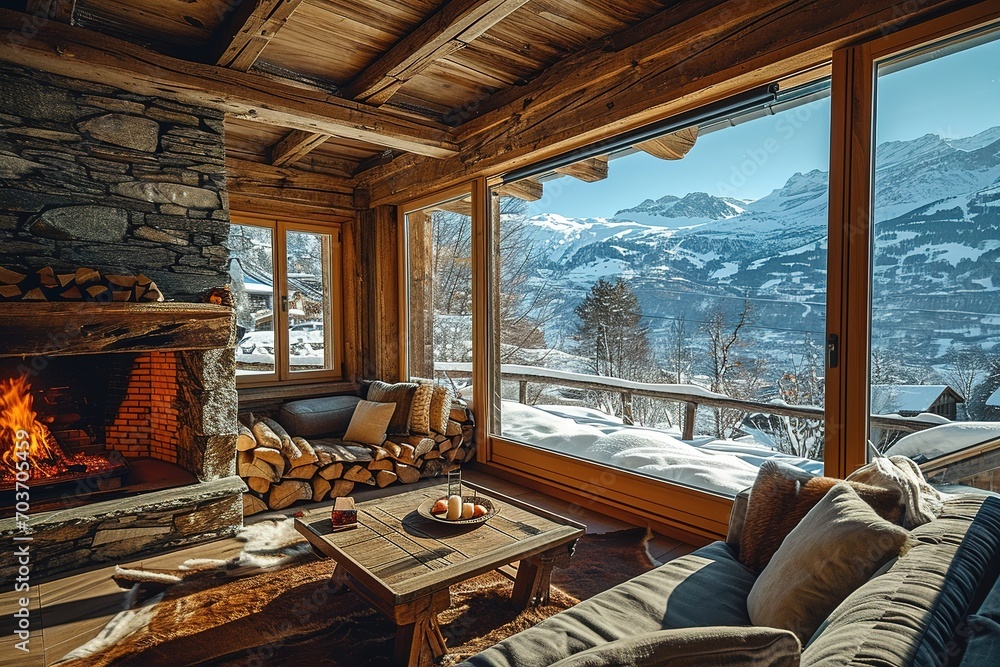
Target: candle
point(454, 508)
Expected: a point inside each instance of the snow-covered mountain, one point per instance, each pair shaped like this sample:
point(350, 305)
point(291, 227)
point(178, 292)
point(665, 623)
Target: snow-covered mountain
point(937, 245)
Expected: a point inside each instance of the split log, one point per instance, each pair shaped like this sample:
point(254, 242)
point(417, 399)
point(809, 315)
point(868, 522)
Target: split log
point(341, 488)
point(384, 478)
point(258, 484)
point(253, 505)
point(308, 453)
point(420, 445)
point(454, 428)
point(453, 454)
point(265, 436)
point(346, 453)
point(458, 415)
point(321, 488)
point(457, 441)
point(407, 474)
point(272, 456)
point(445, 445)
point(332, 471)
point(257, 468)
point(393, 449)
point(359, 474)
point(406, 454)
point(288, 448)
point(470, 454)
point(433, 454)
point(246, 441)
point(384, 464)
point(284, 494)
point(380, 453)
point(302, 472)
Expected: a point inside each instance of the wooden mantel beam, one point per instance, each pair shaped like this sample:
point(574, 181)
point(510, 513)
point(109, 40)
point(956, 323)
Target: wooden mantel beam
point(451, 28)
point(248, 30)
point(57, 10)
point(687, 55)
point(90, 56)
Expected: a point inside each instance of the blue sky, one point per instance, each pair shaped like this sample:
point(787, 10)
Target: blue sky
point(956, 95)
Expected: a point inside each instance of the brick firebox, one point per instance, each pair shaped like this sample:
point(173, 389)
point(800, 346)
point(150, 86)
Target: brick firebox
point(146, 423)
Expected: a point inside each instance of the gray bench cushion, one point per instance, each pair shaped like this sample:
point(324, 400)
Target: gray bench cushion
point(705, 588)
point(314, 417)
point(909, 615)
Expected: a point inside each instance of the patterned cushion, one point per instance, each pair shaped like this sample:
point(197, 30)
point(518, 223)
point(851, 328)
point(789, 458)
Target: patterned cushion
point(420, 411)
point(401, 394)
point(441, 408)
point(782, 495)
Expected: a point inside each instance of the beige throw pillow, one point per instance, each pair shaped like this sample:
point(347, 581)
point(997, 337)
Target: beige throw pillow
point(369, 422)
point(836, 548)
point(420, 411)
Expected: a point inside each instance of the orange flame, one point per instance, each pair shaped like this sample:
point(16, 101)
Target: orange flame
point(19, 423)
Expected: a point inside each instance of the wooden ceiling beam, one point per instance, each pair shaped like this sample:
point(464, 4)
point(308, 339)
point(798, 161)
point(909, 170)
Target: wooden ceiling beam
point(589, 171)
point(91, 56)
point(526, 189)
point(451, 28)
point(249, 29)
point(690, 54)
point(673, 146)
point(58, 10)
point(295, 145)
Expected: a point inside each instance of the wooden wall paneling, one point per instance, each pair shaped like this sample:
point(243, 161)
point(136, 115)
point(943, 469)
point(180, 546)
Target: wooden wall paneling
point(449, 29)
point(292, 186)
point(380, 292)
point(419, 249)
point(250, 27)
point(86, 55)
point(353, 299)
point(690, 54)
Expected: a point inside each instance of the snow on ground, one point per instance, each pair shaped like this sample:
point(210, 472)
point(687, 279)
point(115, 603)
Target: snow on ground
point(720, 466)
point(945, 439)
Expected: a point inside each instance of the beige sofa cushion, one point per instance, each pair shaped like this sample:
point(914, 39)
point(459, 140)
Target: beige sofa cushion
point(836, 548)
point(725, 646)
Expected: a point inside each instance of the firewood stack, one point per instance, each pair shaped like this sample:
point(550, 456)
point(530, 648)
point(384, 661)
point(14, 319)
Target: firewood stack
point(81, 285)
point(281, 469)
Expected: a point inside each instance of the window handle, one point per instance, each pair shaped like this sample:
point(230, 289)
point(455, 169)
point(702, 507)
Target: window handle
point(832, 351)
point(284, 304)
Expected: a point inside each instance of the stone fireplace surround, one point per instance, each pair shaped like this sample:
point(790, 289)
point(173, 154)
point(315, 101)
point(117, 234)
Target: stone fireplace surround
point(181, 384)
point(96, 177)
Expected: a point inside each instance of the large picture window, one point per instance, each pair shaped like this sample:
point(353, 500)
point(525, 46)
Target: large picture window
point(935, 317)
point(286, 282)
point(661, 309)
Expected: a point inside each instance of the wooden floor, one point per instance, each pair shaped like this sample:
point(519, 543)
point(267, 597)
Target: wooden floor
point(69, 610)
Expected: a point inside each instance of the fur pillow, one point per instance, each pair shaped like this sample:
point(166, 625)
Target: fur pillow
point(836, 548)
point(420, 412)
point(441, 408)
point(783, 494)
point(401, 394)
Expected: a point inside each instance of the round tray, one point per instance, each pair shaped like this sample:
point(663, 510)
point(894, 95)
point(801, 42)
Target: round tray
point(492, 509)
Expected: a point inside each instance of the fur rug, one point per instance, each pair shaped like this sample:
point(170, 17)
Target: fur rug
point(273, 605)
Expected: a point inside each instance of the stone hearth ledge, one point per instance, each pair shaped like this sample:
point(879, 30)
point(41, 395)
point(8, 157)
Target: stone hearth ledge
point(117, 530)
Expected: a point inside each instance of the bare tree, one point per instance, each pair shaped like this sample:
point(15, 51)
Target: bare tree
point(730, 370)
point(968, 365)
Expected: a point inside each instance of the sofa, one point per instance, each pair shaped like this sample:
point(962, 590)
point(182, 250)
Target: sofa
point(937, 604)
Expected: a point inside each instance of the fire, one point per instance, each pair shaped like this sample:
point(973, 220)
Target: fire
point(17, 417)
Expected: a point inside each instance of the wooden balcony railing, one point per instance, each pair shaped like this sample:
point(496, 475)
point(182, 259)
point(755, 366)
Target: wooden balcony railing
point(692, 396)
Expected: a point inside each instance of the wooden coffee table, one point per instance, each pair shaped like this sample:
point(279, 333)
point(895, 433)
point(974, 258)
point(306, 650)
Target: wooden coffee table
point(403, 564)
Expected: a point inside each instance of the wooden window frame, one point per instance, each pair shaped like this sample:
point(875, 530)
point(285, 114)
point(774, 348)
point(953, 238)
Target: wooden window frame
point(690, 513)
point(333, 278)
point(852, 172)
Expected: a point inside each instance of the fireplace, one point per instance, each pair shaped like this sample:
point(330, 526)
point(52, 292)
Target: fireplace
point(128, 412)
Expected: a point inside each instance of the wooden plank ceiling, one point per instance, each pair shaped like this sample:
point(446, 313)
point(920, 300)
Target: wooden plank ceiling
point(376, 80)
